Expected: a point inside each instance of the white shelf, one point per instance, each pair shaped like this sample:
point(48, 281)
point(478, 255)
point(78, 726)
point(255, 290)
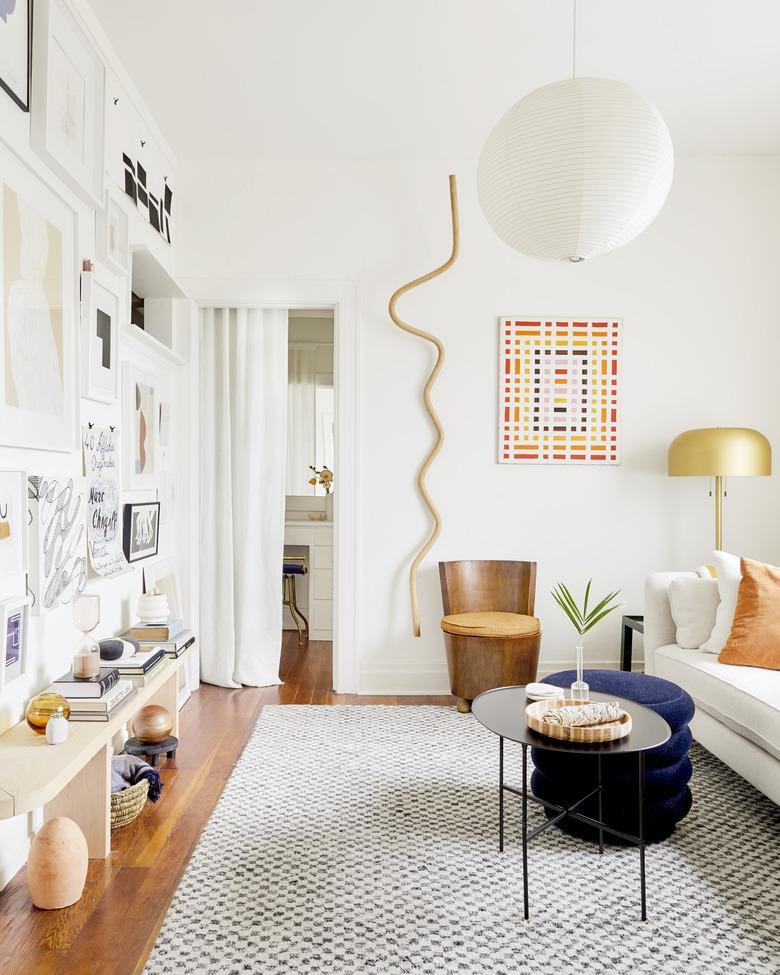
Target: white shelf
point(151, 344)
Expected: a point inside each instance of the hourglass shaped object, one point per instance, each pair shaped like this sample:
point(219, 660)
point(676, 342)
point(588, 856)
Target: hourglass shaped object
point(86, 616)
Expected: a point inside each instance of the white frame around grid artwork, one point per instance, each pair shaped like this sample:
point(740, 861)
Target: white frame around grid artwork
point(588, 454)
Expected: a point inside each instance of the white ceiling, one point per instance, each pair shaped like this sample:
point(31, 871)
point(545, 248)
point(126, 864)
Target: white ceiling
point(427, 79)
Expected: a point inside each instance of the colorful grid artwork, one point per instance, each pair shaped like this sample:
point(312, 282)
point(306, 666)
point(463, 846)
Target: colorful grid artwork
point(559, 391)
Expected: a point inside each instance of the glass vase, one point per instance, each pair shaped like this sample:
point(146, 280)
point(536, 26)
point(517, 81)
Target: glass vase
point(579, 689)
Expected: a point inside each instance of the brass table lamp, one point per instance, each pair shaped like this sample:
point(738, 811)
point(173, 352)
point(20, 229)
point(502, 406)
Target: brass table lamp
point(720, 452)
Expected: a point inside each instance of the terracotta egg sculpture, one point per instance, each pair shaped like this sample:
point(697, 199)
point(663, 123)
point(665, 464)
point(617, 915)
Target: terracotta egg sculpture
point(153, 723)
point(57, 866)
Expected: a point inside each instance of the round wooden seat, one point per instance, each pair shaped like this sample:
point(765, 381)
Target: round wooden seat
point(498, 625)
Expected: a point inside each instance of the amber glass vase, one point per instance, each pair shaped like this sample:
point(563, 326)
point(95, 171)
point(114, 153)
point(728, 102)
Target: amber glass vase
point(41, 708)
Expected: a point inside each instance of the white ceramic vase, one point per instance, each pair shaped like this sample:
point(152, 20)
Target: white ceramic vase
point(57, 728)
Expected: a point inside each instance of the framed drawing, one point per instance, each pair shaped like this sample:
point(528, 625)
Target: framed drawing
point(58, 540)
point(161, 575)
point(15, 47)
point(104, 533)
point(99, 337)
point(113, 236)
point(141, 530)
point(140, 421)
point(68, 88)
point(39, 296)
point(559, 391)
point(15, 617)
point(13, 522)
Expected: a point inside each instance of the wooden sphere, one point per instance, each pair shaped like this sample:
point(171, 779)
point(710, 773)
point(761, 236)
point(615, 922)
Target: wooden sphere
point(152, 724)
point(41, 708)
point(57, 865)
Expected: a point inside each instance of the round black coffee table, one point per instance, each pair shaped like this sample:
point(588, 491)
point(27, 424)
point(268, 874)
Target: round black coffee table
point(502, 711)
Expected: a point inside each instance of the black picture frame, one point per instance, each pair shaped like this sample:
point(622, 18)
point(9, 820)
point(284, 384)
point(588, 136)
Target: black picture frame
point(149, 551)
point(24, 105)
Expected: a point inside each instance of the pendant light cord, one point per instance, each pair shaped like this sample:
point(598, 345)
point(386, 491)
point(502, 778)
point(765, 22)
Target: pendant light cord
point(574, 39)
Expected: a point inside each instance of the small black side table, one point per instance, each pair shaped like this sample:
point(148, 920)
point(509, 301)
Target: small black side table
point(630, 623)
point(502, 711)
point(151, 751)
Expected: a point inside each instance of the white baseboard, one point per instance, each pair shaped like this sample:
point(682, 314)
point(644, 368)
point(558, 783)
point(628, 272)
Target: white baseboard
point(383, 681)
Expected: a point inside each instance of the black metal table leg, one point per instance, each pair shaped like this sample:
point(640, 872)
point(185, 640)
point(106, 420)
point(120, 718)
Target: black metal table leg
point(525, 831)
point(642, 832)
point(626, 646)
point(601, 813)
point(500, 794)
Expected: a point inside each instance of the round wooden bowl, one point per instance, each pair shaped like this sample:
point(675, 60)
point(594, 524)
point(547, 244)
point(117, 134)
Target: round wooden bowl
point(609, 731)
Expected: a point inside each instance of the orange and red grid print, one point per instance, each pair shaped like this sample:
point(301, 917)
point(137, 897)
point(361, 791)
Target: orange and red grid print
point(559, 389)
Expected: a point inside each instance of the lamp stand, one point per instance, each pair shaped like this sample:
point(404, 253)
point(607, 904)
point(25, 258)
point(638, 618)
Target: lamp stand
point(719, 512)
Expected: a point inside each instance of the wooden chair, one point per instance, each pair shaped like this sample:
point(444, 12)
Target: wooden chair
point(491, 636)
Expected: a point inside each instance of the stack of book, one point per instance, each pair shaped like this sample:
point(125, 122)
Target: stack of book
point(171, 637)
point(141, 667)
point(93, 698)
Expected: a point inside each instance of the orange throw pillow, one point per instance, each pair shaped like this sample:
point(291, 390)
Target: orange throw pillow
point(754, 640)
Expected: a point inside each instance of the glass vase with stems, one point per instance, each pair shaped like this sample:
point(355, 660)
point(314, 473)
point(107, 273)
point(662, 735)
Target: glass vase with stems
point(583, 620)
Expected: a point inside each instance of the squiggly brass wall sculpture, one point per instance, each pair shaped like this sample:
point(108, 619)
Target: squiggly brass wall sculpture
point(427, 396)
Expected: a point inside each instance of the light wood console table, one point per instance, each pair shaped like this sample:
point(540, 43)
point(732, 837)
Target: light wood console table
point(74, 779)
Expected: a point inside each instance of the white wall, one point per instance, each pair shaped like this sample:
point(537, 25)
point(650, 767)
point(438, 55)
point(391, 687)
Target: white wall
point(53, 636)
point(697, 294)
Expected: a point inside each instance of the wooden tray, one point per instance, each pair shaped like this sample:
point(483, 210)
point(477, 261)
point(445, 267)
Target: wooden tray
point(609, 731)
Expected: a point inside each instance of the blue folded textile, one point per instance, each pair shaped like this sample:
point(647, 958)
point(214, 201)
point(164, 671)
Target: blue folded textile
point(127, 770)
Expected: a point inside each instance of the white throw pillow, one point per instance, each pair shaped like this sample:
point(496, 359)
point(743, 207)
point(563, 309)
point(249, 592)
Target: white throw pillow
point(729, 578)
point(694, 605)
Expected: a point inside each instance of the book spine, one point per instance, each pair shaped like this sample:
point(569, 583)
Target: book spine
point(107, 682)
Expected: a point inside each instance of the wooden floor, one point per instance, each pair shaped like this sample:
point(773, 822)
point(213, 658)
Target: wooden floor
point(113, 927)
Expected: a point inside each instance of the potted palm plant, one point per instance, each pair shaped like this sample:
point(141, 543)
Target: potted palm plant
point(583, 619)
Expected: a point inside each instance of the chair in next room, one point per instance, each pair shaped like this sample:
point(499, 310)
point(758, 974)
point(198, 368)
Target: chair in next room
point(293, 566)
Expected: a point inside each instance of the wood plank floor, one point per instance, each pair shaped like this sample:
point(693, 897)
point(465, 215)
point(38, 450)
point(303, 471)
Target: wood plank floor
point(113, 927)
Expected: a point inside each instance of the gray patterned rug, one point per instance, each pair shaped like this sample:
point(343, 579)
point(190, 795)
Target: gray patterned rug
point(364, 839)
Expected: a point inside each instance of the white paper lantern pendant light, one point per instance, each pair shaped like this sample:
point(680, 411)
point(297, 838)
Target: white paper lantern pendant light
point(575, 168)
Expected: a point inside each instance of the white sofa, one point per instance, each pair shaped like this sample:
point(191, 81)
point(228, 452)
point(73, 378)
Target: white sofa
point(737, 708)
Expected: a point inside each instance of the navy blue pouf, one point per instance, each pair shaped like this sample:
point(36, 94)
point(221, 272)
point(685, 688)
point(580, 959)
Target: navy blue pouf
point(562, 778)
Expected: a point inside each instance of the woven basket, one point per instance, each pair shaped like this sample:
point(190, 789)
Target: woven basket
point(128, 803)
point(610, 731)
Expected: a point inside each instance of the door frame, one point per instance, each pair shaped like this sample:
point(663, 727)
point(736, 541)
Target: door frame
point(342, 297)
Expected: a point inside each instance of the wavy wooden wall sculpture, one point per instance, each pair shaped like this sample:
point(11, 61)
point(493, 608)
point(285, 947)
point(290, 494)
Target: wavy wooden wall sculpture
point(427, 396)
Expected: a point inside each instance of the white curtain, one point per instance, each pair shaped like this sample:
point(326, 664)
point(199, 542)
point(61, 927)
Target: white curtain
point(243, 419)
point(300, 416)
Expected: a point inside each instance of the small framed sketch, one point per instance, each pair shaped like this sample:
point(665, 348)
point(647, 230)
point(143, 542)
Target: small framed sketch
point(161, 575)
point(68, 89)
point(113, 235)
point(15, 617)
point(15, 46)
point(139, 397)
point(13, 522)
point(99, 338)
point(141, 530)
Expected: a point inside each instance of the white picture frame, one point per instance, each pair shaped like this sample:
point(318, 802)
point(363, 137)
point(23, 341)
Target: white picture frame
point(15, 35)
point(68, 91)
point(14, 550)
point(58, 540)
point(100, 310)
point(38, 302)
point(139, 413)
point(15, 635)
point(161, 575)
point(112, 234)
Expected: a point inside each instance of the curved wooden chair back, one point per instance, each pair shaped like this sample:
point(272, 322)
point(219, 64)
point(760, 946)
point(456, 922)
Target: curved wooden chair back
point(484, 586)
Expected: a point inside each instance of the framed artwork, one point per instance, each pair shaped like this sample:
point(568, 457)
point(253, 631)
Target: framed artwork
point(99, 337)
point(161, 575)
point(38, 332)
point(112, 235)
point(57, 509)
point(15, 47)
point(141, 530)
point(68, 88)
point(13, 522)
point(559, 391)
point(104, 533)
point(15, 617)
point(140, 420)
